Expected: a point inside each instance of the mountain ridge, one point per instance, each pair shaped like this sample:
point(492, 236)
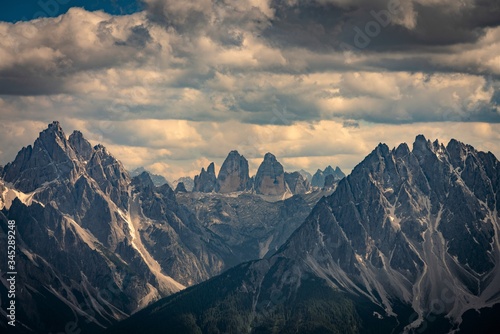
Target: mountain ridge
point(79, 200)
point(388, 235)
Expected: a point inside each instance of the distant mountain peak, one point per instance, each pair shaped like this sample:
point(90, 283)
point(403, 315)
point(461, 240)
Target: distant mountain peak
point(270, 156)
point(211, 168)
point(206, 181)
point(51, 157)
point(55, 127)
point(233, 174)
point(318, 179)
point(143, 182)
point(270, 177)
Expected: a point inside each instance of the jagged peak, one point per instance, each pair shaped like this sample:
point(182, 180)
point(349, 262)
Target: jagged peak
point(421, 144)
point(54, 126)
point(233, 155)
point(101, 151)
point(143, 181)
point(144, 176)
point(402, 150)
point(77, 135)
point(234, 152)
point(453, 143)
point(329, 168)
point(420, 138)
point(53, 131)
point(382, 149)
point(211, 168)
point(269, 156)
point(457, 150)
point(100, 147)
point(180, 188)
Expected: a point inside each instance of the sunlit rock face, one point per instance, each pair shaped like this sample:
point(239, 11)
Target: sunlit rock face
point(233, 175)
point(270, 177)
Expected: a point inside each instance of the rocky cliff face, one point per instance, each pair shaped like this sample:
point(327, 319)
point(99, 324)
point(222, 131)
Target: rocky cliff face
point(176, 239)
point(233, 174)
point(270, 177)
point(110, 175)
point(297, 183)
point(206, 181)
point(81, 146)
point(50, 158)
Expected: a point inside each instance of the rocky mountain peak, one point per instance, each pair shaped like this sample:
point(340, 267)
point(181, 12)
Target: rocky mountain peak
point(51, 157)
point(211, 168)
point(402, 150)
point(54, 128)
point(329, 170)
point(233, 174)
point(270, 157)
point(318, 179)
point(205, 182)
point(158, 180)
point(110, 175)
point(54, 141)
point(143, 182)
point(81, 146)
point(421, 145)
point(270, 177)
point(180, 188)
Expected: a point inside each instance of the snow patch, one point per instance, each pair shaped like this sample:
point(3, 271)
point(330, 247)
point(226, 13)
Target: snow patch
point(264, 247)
point(133, 222)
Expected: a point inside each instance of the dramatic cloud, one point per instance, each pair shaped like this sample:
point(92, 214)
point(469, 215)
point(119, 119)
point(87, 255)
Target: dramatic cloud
point(315, 82)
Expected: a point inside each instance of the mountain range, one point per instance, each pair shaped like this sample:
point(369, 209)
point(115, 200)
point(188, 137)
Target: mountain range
point(271, 180)
point(96, 244)
point(407, 242)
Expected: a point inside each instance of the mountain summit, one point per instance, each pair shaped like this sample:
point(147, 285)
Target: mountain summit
point(206, 181)
point(270, 177)
point(233, 174)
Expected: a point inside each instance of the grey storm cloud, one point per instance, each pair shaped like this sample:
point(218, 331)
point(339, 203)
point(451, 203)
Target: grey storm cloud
point(45, 53)
point(255, 60)
point(325, 25)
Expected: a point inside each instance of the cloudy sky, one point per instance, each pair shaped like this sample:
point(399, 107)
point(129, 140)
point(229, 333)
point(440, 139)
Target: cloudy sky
point(172, 85)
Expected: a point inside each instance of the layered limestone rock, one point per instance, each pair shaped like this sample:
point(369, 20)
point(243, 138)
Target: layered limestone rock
point(270, 177)
point(233, 174)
